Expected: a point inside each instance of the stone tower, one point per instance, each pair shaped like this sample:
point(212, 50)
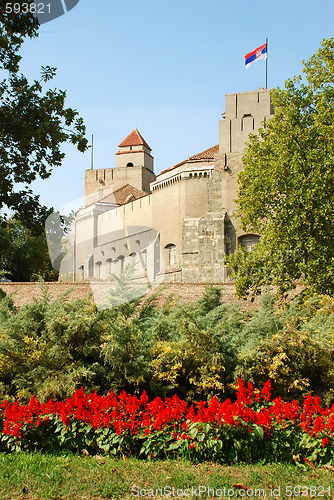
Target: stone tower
point(207, 239)
point(134, 166)
point(245, 113)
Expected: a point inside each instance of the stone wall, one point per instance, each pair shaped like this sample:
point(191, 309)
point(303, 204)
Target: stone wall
point(203, 239)
point(24, 293)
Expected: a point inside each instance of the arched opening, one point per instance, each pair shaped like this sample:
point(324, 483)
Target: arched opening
point(90, 266)
point(111, 266)
point(133, 261)
point(144, 258)
point(98, 269)
point(119, 265)
point(171, 254)
point(129, 164)
point(248, 241)
point(81, 273)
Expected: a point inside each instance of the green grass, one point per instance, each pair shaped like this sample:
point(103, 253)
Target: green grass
point(35, 476)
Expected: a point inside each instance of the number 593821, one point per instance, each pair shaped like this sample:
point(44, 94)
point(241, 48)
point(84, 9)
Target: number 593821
point(25, 8)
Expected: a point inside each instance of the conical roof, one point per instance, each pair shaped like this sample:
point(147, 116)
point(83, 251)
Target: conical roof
point(134, 139)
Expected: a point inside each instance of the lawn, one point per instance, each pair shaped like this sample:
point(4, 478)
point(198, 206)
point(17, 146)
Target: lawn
point(72, 477)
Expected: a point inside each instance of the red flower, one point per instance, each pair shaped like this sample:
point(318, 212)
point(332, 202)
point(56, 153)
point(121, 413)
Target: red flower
point(325, 442)
point(266, 391)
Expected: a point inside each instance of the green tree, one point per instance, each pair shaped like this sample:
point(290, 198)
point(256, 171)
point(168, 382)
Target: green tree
point(34, 123)
point(23, 255)
point(286, 191)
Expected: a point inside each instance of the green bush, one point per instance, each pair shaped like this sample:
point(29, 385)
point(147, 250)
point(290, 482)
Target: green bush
point(198, 350)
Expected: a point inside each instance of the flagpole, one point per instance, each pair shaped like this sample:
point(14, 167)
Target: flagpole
point(267, 65)
point(92, 156)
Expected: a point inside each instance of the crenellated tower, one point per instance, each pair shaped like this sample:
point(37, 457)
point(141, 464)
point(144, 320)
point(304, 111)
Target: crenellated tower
point(134, 167)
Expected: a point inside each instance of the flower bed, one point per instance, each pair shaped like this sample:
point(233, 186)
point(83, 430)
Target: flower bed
point(251, 428)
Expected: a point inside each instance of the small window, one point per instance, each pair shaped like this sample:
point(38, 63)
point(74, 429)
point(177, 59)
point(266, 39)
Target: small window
point(171, 250)
point(249, 241)
point(129, 164)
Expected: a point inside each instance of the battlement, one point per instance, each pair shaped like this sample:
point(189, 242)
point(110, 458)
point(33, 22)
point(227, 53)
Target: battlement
point(244, 114)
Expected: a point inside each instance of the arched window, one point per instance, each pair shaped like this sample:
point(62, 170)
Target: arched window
point(144, 258)
point(129, 164)
point(82, 272)
point(171, 253)
point(133, 261)
point(90, 266)
point(120, 260)
point(111, 266)
point(248, 241)
point(98, 267)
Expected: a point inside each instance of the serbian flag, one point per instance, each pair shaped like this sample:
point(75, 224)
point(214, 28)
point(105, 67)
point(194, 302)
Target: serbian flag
point(256, 55)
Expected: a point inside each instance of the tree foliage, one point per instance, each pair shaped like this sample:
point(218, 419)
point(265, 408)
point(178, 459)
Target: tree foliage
point(286, 191)
point(13, 30)
point(34, 123)
point(24, 256)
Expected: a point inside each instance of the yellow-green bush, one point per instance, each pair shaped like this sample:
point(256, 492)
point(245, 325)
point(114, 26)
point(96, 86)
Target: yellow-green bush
point(197, 350)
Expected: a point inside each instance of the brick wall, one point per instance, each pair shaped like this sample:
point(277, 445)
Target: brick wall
point(24, 293)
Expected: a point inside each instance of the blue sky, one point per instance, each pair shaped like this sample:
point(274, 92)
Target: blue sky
point(164, 67)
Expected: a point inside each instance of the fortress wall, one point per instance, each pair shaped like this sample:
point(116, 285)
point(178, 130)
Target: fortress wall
point(168, 213)
point(138, 212)
point(135, 213)
point(196, 199)
point(163, 210)
point(25, 293)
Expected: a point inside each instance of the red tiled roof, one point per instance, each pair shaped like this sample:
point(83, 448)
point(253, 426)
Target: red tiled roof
point(123, 195)
point(134, 139)
point(208, 154)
